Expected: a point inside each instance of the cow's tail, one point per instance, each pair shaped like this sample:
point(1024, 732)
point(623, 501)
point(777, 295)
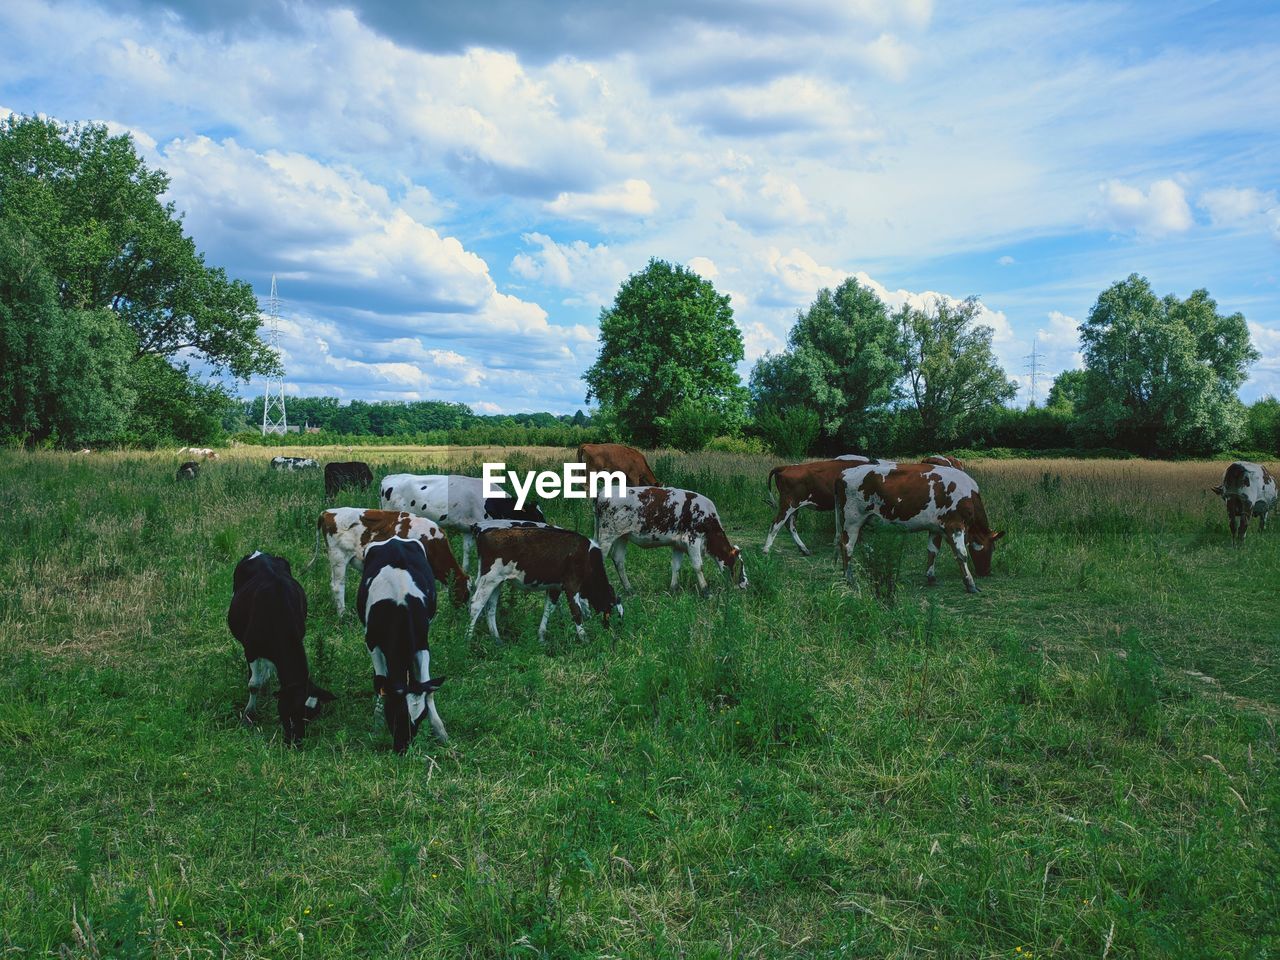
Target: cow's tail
point(316, 552)
point(768, 487)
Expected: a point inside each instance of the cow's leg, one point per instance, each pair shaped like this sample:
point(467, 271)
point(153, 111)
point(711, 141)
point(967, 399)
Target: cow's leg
point(1244, 526)
point(849, 540)
point(422, 660)
point(379, 670)
point(491, 615)
point(786, 516)
point(547, 607)
point(482, 597)
point(961, 551)
point(618, 554)
point(467, 540)
point(935, 544)
point(677, 558)
point(695, 559)
point(574, 601)
point(260, 671)
point(795, 534)
point(338, 580)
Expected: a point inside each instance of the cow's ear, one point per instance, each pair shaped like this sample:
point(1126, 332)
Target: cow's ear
point(997, 535)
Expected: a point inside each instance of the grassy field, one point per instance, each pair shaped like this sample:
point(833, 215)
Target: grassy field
point(1080, 761)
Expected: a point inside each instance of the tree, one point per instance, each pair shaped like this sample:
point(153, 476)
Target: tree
point(1066, 389)
point(65, 373)
point(952, 376)
point(844, 360)
point(94, 210)
point(1163, 374)
point(668, 342)
point(1262, 425)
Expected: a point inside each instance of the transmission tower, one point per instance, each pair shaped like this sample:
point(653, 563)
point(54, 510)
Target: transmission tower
point(1033, 367)
point(274, 419)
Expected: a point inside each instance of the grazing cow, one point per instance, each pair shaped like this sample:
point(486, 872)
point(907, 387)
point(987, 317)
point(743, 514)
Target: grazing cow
point(204, 453)
point(348, 531)
point(293, 463)
point(917, 496)
point(82, 453)
point(1248, 490)
point(353, 473)
point(685, 521)
point(456, 503)
point(268, 615)
point(540, 557)
point(396, 603)
point(803, 485)
point(940, 460)
point(189, 470)
point(608, 457)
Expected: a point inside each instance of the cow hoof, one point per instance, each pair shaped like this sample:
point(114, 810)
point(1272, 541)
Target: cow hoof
point(931, 582)
point(247, 719)
point(805, 553)
point(973, 588)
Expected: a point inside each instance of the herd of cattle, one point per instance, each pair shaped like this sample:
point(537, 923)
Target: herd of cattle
point(404, 553)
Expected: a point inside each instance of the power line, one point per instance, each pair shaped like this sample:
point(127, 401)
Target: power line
point(1033, 367)
point(274, 419)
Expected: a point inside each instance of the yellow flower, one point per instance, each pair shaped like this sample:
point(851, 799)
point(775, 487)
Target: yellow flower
point(1019, 949)
point(306, 911)
point(179, 923)
point(435, 876)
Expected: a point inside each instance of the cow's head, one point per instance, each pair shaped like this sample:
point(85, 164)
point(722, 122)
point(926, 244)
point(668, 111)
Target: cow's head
point(597, 590)
point(981, 547)
point(504, 508)
point(726, 555)
point(460, 588)
point(404, 704)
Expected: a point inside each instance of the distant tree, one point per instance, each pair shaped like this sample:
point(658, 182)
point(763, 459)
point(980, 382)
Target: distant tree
point(843, 360)
point(94, 210)
point(64, 373)
point(951, 374)
point(1066, 389)
point(1163, 374)
point(1262, 425)
point(668, 342)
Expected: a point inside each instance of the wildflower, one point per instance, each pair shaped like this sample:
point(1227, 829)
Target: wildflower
point(306, 911)
point(435, 876)
point(179, 923)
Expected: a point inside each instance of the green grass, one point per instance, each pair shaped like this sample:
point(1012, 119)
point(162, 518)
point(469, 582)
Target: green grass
point(800, 769)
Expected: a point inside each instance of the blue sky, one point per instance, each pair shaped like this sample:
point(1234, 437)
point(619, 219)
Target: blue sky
point(449, 192)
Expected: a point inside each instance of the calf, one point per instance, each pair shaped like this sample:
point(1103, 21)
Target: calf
point(939, 499)
point(1248, 490)
point(293, 463)
point(352, 473)
point(348, 531)
point(456, 503)
point(540, 557)
point(189, 470)
point(803, 485)
point(685, 521)
point(396, 603)
point(268, 615)
point(608, 457)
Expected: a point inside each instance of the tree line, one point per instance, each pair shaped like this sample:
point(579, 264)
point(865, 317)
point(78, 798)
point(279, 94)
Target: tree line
point(106, 304)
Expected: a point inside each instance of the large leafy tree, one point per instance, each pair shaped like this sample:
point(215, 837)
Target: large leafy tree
point(94, 211)
point(844, 360)
point(1163, 373)
point(1066, 389)
point(668, 358)
point(952, 376)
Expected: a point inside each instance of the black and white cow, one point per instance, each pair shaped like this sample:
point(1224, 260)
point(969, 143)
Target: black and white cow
point(189, 470)
point(396, 603)
point(456, 503)
point(685, 521)
point(537, 556)
point(268, 615)
point(1249, 490)
point(294, 463)
point(354, 474)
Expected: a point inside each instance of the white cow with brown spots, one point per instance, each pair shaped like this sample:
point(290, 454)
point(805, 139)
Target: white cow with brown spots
point(685, 521)
point(1248, 490)
point(941, 500)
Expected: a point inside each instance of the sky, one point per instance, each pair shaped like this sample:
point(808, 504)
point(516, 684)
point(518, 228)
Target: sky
point(449, 192)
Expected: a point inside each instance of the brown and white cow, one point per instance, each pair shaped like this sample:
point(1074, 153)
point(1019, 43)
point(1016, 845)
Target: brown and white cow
point(941, 460)
point(608, 457)
point(685, 521)
point(939, 499)
point(803, 485)
point(1248, 490)
point(537, 556)
point(349, 531)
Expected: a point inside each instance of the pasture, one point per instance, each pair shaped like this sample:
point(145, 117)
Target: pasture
point(1079, 761)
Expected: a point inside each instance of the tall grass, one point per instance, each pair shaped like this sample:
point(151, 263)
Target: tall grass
point(1080, 761)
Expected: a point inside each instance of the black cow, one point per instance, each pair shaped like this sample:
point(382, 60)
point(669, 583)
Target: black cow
point(396, 603)
point(352, 473)
point(189, 470)
point(268, 615)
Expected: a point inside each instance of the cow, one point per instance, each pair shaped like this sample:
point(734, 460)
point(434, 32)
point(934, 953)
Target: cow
point(917, 496)
point(941, 460)
point(685, 521)
point(1248, 490)
point(348, 531)
point(396, 604)
point(293, 463)
point(801, 485)
point(189, 470)
point(268, 615)
point(608, 457)
point(456, 503)
point(538, 556)
point(352, 473)
point(204, 453)
point(82, 453)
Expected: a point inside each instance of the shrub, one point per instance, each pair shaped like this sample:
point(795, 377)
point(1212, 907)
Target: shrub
point(789, 433)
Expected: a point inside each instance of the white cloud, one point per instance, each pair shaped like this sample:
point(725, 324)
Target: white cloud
point(1162, 210)
point(767, 201)
point(704, 267)
point(1250, 207)
point(631, 198)
point(1006, 261)
point(592, 272)
point(890, 56)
